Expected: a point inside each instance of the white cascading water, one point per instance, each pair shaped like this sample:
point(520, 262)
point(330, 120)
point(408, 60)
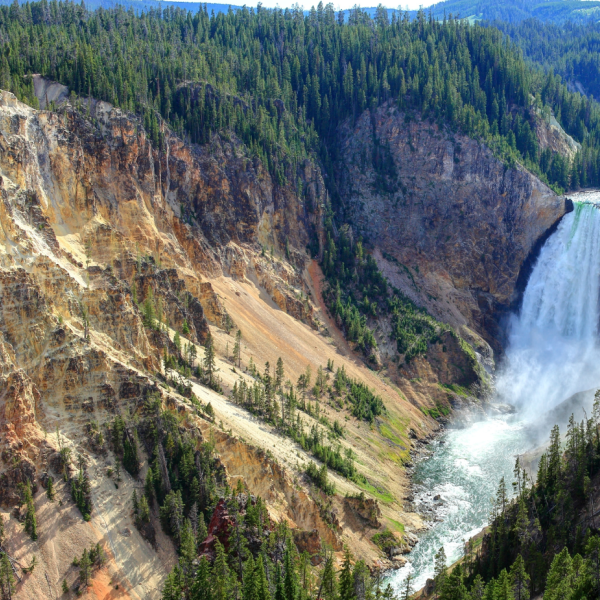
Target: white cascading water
point(553, 349)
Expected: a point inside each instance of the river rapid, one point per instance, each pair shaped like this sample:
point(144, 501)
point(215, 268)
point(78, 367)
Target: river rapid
point(464, 468)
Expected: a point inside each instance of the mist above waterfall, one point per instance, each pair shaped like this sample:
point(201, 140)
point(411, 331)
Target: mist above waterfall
point(553, 350)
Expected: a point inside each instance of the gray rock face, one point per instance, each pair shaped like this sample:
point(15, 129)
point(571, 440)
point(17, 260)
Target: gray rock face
point(452, 226)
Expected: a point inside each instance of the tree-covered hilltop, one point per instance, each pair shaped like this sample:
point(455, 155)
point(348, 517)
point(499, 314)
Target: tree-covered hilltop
point(514, 11)
point(284, 80)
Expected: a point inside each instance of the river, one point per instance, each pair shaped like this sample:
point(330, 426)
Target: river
point(464, 469)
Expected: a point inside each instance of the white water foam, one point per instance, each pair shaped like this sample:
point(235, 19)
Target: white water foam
point(553, 349)
point(463, 470)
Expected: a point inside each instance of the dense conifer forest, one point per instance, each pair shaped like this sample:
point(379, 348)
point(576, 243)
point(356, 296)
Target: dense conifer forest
point(283, 81)
point(571, 50)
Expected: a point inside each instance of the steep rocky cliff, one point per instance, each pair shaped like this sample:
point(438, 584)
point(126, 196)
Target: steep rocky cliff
point(451, 226)
point(97, 224)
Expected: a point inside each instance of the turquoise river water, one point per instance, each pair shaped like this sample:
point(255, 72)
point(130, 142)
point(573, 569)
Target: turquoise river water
point(464, 469)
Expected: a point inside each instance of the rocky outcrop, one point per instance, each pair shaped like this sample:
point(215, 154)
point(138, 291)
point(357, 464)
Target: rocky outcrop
point(367, 509)
point(219, 529)
point(552, 136)
point(266, 478)
point(452, 225)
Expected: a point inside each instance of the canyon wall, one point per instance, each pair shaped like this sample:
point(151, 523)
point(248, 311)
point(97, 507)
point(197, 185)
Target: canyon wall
point(450, 224)
point(98, 223)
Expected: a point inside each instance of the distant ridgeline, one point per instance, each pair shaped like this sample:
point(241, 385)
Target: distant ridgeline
point(571, 49)
point(513, 11)
point(146, 5)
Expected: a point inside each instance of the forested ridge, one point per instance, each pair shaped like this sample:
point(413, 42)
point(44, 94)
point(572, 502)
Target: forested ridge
point(572, 50)
point(514, 11)
point(283, 81)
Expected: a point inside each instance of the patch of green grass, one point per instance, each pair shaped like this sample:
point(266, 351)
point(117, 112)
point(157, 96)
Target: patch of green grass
point(398, 457)
point(437, 412)
point(382, 495)
point(457, 389)
point(397, 525)
point(394, 430)
point(387, 432)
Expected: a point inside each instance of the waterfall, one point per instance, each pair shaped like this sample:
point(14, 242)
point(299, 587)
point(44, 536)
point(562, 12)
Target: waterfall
point(553, 350)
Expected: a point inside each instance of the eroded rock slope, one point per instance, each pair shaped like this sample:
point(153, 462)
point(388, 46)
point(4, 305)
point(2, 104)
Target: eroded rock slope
point(452, 226)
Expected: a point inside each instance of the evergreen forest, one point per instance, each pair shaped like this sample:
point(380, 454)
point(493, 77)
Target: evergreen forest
point(283, 80)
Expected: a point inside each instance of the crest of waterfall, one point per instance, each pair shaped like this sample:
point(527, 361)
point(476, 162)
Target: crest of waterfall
point(553, 350)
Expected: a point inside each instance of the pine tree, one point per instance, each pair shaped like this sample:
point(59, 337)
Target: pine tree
point(290, 581)
point(149, 311)
point(478, 588)
point(453, 587)
point(149, 492)
point(187, 553)
point(202, 529)
point(279, 589)
point(238, 543)
point(209, 363)
point(30, 516)
point(85, 569)
point(362, 580)
point(135, 504)
point(440, 570)
point(279, 374)
point(503, 589)
point(144, 510)
point(202, 588)
point(237, 349)
point(520, 579)
point(261, 583)
point(50, 493)
point(346, 583)
point(171, 514)
point(173, 587)
point(249, 591)
point(328, 584)
point(559, 583)
point(7, 580)
point(592, 554)
point(408, 591)
point(131, 459)
point(220, 574)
